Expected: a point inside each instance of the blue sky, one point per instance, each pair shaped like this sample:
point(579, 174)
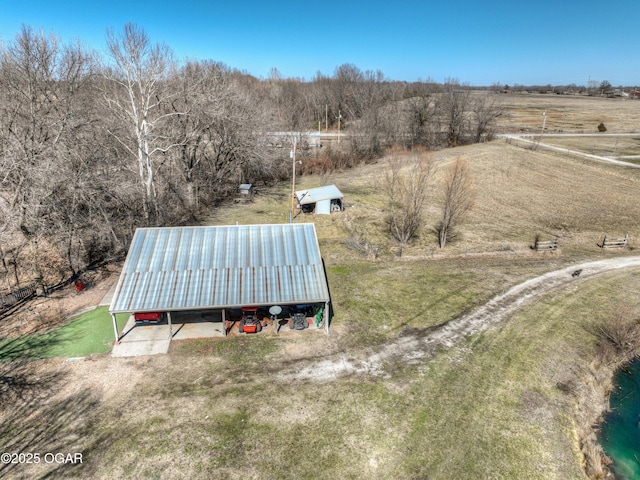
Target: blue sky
point(477, 42)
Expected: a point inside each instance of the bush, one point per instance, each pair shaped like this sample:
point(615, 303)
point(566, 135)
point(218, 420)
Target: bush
point(330, 160)
point(618, 333)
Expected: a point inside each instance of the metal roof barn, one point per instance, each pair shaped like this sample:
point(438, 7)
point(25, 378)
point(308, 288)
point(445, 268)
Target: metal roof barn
point(314, 195)
point(217, 267)
point(324, 198)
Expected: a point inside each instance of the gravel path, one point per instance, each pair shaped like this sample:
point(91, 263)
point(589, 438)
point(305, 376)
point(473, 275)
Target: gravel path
point(415, 347)
point(531, 139)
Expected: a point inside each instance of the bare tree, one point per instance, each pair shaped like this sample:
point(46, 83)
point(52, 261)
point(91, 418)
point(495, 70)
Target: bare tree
point(219, 138)
point(484, 113)
point(139, 75)
point(347, 79)
point(406, 184)
point(604, 87)
point(421, 114)
point(453, 106)
point(200, 90)
point(42, 120)
point(290, 102)
point(458, 199)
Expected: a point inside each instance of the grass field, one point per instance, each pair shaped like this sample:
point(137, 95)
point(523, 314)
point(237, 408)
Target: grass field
point(624, 148)
point(568, 114)
point(489, 407)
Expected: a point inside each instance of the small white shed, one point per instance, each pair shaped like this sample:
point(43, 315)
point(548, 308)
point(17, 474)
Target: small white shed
point(321, 200)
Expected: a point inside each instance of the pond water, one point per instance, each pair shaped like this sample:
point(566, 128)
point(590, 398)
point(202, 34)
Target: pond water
point(620, 434)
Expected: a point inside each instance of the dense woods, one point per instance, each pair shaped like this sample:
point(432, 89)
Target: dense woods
point(93, 146)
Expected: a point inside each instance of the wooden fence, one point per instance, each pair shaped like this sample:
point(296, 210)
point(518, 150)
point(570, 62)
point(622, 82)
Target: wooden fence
point(8, 300)
point(547, 245)
point(614, 242)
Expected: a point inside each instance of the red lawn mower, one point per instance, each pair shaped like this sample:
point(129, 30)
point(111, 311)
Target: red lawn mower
point(250, 323)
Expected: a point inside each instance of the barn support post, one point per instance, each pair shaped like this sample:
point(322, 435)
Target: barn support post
point(224, 322)
point(115, 328)
point(169, 321)
point(326, 318)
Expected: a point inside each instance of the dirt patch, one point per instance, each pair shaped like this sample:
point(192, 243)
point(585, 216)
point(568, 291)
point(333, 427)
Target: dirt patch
point(43, 314)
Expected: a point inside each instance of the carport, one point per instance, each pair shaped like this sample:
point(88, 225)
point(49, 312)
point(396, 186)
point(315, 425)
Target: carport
point(214, 270)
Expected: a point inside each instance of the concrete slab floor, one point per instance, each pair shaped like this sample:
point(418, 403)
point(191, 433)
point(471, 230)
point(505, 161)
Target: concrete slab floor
point(154, 339)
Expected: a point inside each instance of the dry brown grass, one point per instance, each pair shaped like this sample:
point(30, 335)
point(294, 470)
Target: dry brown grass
point(604, 146)
point(520, 193)
point(568, 114)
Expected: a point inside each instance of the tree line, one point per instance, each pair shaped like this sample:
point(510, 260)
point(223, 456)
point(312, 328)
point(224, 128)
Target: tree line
point(93, 146)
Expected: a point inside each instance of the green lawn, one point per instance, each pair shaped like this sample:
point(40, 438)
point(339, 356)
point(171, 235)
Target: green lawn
point(91, 332)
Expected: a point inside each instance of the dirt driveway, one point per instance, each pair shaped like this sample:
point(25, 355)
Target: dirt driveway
point(413, 347)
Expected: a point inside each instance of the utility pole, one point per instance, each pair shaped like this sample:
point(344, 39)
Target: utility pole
point(339, 118)
point(535, 144)
point(292, 154)
point(326, 117)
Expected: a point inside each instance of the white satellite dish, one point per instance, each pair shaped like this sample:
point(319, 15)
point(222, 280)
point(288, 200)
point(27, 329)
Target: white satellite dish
point(275, 310)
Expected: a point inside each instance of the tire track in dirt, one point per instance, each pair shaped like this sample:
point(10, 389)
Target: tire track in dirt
point(416, 346)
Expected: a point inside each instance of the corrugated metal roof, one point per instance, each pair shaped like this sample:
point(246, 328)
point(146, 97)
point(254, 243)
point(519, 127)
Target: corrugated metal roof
point(314, 195)
point(190, 268)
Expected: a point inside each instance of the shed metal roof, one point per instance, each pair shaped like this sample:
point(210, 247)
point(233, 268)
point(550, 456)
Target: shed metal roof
point(191, 268)
point(314, 195)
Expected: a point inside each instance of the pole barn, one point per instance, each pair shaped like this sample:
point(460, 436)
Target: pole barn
point(222, 268)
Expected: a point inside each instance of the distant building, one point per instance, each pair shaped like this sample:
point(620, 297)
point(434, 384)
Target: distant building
point(321, 200)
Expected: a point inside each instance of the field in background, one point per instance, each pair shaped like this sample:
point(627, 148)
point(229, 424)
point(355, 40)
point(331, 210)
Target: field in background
point(568, 114)
point(487, 408)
